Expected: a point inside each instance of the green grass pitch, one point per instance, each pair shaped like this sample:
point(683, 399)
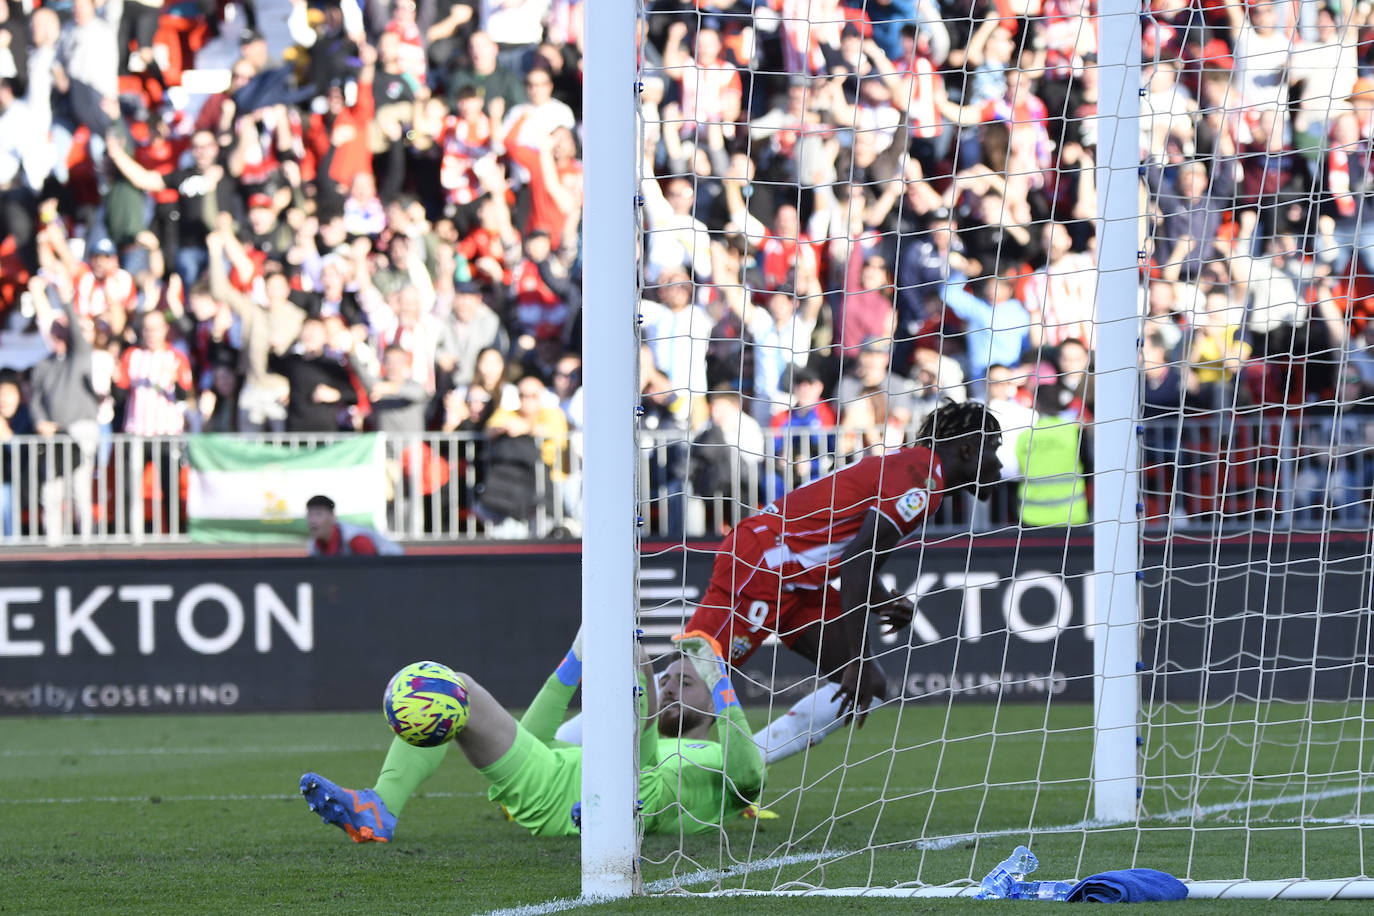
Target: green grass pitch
point(183, 814)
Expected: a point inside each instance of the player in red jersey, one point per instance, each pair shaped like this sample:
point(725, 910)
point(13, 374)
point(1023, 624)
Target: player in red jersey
point(772, 574)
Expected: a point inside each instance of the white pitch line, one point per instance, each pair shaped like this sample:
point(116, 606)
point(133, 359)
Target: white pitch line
point(666, 884)
point(194, 750)
point(190, 751)
point(743, 868)
point(562, 904)
point(114, 799)
point(1361, 821)
point(937, 844)
point(556, 905)
point(125, 799)
point(1224, 807)
point(143, 799)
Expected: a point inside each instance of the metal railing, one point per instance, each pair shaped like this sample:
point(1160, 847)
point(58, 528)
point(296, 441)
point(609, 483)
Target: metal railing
point(123, 489)
point(1220, 471)
point(1308, 468)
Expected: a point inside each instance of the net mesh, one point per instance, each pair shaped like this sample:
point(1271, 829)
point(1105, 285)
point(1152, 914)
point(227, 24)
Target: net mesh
point(854, 211)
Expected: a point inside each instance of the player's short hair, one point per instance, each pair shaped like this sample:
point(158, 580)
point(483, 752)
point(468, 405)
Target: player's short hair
point(320, 502)
point(953, 420)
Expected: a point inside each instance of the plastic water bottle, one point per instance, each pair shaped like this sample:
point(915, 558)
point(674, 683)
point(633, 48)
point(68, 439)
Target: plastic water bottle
point(1001, 880)
point(1041, 890)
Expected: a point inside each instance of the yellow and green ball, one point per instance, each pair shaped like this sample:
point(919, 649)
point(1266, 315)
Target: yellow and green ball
point(426, 703)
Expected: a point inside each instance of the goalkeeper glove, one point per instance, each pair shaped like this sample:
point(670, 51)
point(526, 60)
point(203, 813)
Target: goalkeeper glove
point(569, 671)
point(710, 665)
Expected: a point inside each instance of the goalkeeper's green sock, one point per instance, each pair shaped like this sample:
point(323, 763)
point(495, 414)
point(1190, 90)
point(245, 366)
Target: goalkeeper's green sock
point(405, 767)
point(548, 708)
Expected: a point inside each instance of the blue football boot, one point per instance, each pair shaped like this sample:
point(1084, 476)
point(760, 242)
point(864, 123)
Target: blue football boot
point(361, 813)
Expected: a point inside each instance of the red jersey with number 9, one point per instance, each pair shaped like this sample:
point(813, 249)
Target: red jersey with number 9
point(814, 524)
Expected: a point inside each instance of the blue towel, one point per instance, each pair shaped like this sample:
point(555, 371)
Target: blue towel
point(1130, 885)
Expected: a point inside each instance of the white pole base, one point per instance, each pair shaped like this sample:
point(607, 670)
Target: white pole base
point(1331, 889)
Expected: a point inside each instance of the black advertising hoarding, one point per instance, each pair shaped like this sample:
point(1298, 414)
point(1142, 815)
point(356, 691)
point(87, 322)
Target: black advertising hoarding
point(1005, 618)
point(1280, 618)
point(249, 634)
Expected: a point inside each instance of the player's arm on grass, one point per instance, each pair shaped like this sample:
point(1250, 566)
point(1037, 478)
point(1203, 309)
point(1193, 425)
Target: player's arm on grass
point(861, 592)
point(743, 761)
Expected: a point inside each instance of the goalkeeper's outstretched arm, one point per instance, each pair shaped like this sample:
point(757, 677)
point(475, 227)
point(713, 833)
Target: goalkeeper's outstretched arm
point(744, 766)
point(647, 706)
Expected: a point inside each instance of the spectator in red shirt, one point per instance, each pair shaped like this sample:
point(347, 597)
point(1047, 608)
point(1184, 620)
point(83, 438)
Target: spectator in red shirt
point(709, 84)
point(157, 385)
point(494, 246)
point(330, 537)
point(103, 289)
point(786, 252)
point(465, 139)
point(542, 293)
point(412, 43)
point(156, 379)
point(339, 139)
point(555, 182)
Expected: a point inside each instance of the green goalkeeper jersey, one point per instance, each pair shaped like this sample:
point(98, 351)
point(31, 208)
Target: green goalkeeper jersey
point(693, 786)
point(686, 785)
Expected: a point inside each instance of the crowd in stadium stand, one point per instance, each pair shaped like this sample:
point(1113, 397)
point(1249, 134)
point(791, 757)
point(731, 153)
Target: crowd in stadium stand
point(372, 221)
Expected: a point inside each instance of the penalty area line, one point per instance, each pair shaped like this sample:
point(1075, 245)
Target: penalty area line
point(563, 904)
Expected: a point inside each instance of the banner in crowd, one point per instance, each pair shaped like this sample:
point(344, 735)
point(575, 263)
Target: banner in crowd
point(249, 492)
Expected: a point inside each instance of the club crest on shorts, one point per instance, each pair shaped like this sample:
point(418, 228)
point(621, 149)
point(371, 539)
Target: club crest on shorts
point(912, 503)
point(739, 647)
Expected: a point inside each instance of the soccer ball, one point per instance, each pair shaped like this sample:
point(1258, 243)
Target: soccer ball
point(426, 703)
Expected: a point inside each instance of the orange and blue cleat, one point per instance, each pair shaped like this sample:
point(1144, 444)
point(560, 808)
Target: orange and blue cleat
point(360, 813)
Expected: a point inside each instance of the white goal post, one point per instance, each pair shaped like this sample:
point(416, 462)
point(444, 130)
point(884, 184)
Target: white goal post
point(1116, 530)
point(610, 549)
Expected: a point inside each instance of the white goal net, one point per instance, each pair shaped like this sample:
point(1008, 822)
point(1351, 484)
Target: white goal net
point(1155, 270)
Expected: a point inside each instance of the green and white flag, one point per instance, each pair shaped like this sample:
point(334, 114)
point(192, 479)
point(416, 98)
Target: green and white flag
point(251, 492)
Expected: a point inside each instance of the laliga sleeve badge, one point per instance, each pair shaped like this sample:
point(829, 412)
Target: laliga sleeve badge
point(912, 503)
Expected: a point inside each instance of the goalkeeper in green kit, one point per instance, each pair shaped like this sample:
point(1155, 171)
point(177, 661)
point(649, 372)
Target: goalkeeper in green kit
point(698, 763)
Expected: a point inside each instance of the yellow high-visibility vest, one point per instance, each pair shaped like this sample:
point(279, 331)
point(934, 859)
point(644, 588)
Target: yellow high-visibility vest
point(1054, 493)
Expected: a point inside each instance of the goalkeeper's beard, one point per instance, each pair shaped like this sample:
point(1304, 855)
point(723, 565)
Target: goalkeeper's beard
point(677, 719)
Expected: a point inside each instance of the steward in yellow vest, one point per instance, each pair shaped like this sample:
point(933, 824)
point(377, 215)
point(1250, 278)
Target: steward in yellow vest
point(1054, 488)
